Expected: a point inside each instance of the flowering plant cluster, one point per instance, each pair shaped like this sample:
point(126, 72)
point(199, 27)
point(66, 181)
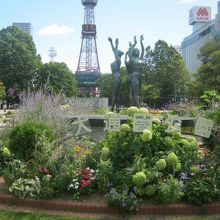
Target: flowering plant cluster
point(83, 182)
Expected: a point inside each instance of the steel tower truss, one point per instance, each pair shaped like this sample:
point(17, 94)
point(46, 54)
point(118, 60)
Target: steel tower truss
point(88, 59)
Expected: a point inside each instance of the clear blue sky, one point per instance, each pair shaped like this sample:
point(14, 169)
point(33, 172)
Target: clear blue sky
point(155, 19)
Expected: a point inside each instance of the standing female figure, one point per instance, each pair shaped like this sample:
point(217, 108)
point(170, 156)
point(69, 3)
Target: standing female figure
point(136, 63)
point(116, 78)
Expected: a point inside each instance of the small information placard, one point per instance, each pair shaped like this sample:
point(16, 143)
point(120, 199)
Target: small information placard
point(114, 122)
point(174, 123)
point(142, 121)
point(203, 127)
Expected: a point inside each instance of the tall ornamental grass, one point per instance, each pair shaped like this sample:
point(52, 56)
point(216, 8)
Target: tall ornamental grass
point(42, 107)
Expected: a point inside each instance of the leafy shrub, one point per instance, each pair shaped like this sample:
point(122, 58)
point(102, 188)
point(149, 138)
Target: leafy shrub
point(104, 175)
point(14, 170)
point(46, 188)
point(169, 191)
point(214, 115)
point(43, 151)
point(63, 172)
point(161, 164)
point(139, 179)
point(123, 200)
point(104, 153)
point(125, 128)
point(150, 190)
point(172, 159)
point(23, 138)
point(26, 187)
point(201, 188)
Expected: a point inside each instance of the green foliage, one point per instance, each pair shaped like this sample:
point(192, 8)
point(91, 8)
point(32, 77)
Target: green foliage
point(200, 189)
point(215, 116)
point(172, 159)
point(169, 191)
point(147, 135)
point(43, 151)
point(210, 98)
point(150, 190)
point(58, 77)
point(165, 70)
point(5, 152)
point(139, 179)
point(42, 106)
point(23, 138)
point(2, 90)
point(18, 215)
point(26, 187)
point(104, 153)
point(63, 172)
point(46, 187)
point(125, 128)
point(161, 164)
point(207, 77)
point(14, 170)
point(131, 110)
point(104, 175)
point(124, 200)
point(188, 109)
point(19, 62)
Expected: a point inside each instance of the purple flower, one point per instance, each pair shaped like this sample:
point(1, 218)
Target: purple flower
point(183, 176)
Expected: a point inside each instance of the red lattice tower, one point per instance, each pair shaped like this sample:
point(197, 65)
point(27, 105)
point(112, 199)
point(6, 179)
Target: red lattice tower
point(88, 70)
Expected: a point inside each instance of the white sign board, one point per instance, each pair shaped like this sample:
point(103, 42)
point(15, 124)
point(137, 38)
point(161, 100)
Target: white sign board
point(203, 127)
point(174, 123)
point(199, 14)
point(142, 121)
point(114, 122)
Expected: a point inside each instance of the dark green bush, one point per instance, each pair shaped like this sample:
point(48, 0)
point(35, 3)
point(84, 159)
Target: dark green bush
point(214, 115)
point(23, 138)
point(201, 189)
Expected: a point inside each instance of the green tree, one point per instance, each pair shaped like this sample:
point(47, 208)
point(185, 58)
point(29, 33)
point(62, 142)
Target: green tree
point(208, 75)
point(58, 77)
point(165, 70)
point(104, 85)
point(2, 90)
point(18, 59)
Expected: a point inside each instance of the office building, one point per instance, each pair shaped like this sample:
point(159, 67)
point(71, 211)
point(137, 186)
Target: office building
point(25, 27)
point(204, 30)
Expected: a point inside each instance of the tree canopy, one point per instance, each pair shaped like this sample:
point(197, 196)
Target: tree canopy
point(208, 75)
point(58, 77)
point(19, 61)
point(165, 70)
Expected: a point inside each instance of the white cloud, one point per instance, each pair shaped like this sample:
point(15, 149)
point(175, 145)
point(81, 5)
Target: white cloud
point(55, 29)
point(186, 1)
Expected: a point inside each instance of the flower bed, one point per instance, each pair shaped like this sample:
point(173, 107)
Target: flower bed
point(160, 166)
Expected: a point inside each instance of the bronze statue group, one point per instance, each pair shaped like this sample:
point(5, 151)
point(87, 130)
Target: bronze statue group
point(134, 64)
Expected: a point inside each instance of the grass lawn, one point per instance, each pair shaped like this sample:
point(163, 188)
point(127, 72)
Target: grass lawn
point(11, 215)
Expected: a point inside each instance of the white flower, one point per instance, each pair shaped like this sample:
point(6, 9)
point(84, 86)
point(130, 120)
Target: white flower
point(88, 168)
point(76, 187)
point(92, 171)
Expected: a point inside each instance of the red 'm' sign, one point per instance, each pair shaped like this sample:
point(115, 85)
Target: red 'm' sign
point(202, 12)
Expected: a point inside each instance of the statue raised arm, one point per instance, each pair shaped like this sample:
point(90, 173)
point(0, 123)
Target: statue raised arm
point(142, 47)
point(116, 79)
point(129, 68)
point(135, 66)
